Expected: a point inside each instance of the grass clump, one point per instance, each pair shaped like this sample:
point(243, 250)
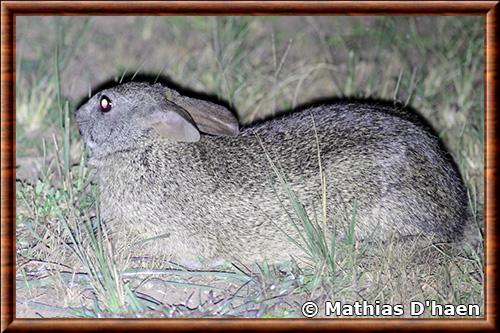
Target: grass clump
point(54, 212)
point(331, 259)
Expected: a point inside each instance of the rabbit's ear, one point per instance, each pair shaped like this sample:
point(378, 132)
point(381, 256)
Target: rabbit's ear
point(209, 117)
point(212, 118)
point(174, 124)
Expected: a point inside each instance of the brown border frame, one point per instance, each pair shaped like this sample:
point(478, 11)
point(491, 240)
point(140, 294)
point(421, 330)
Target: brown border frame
point(9, 9)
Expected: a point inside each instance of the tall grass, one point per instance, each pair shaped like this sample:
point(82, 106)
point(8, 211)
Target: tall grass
point(318, 234)
point(61, 201)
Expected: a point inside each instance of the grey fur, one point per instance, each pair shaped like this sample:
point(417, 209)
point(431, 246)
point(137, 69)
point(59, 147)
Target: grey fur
point(219, 198)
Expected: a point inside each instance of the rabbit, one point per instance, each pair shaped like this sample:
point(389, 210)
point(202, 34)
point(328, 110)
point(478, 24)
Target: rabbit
point(184, 170)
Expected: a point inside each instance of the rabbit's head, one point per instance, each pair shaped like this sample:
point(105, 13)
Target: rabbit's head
point(123, 117)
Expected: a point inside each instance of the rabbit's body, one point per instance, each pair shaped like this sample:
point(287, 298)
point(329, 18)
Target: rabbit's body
point(220, 198)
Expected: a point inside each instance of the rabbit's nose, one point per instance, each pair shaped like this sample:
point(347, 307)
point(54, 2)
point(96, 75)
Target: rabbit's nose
point(82, 113)
point(79, 116)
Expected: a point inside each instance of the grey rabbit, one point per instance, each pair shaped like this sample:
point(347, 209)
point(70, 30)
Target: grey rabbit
point(182, 168)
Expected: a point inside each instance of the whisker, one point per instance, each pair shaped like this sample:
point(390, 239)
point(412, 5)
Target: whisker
point(138, 69)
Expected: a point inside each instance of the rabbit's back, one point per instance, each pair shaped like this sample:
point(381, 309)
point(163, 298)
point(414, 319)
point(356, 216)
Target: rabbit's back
point(385, 170)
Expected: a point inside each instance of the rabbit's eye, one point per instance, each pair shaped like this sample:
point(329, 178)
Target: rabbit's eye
point(105, 103)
